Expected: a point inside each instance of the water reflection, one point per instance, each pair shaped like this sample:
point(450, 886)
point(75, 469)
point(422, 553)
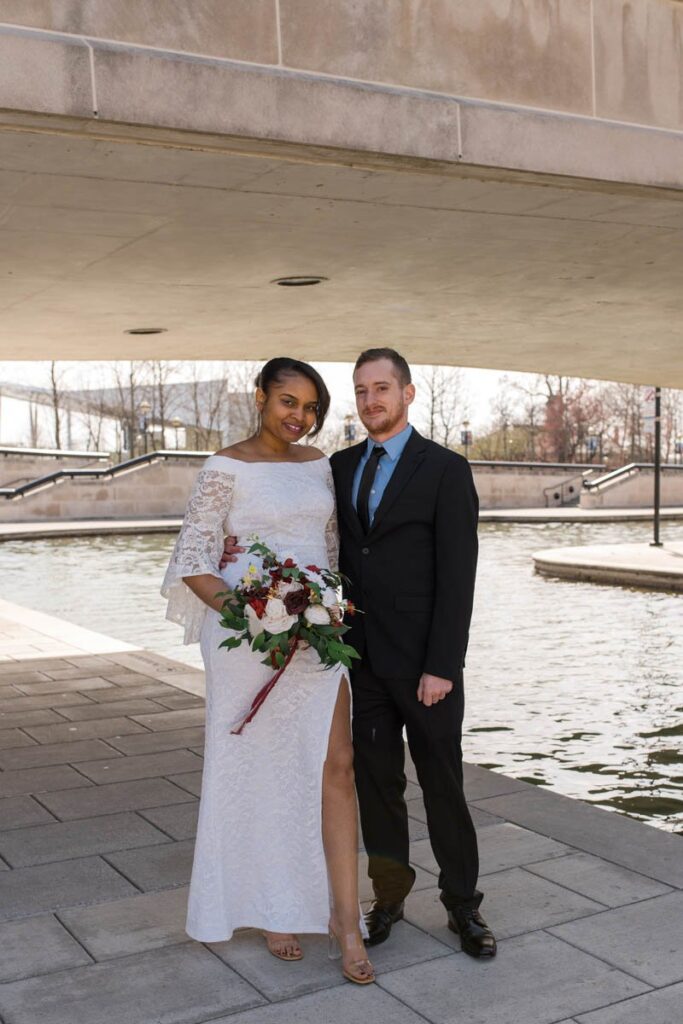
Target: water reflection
point(571, 685)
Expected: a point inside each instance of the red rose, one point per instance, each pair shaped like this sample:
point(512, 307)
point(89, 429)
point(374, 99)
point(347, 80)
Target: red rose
point(289, 564)
point(259, 606)
point(314, 568)
point(296, 601)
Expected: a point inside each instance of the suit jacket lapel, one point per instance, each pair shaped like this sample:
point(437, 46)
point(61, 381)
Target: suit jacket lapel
point(410, 459)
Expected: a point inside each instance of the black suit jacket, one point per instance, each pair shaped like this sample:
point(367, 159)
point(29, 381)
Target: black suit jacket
point(413, 574)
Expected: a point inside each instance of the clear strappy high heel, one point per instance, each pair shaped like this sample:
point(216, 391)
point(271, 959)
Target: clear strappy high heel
point(358, 969)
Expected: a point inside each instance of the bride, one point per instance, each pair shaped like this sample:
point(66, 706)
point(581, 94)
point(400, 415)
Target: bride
point(277, 834)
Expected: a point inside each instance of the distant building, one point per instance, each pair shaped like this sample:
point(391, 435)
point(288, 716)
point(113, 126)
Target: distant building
point(197, 415)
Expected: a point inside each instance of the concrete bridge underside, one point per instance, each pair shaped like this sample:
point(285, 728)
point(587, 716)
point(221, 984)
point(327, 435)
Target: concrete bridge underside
point(494, 184)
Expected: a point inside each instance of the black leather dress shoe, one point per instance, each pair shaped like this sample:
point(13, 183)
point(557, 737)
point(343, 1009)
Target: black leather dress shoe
point(476, 937)
point(379, 919)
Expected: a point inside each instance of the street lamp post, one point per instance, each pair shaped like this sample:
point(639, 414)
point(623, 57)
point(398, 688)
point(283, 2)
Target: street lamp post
point(176, 423)
point(466, 437)
point(145, 409)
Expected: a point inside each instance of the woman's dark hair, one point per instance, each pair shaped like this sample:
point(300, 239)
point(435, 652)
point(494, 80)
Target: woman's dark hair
point(276, 369)
point(371, 355)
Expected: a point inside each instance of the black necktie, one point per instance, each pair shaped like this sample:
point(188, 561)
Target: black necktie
point(366, 482)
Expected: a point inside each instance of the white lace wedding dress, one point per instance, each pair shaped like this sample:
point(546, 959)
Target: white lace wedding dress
point(259, 859)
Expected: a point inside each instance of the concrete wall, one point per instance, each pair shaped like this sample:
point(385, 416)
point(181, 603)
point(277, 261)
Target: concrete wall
point(16, 468)
point(157, 489)
point(637, 491)
point(519, 485)
point(162, 489)
point(569, 87)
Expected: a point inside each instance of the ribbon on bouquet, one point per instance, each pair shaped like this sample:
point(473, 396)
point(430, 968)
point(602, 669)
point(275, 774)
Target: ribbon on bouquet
point(260, 697)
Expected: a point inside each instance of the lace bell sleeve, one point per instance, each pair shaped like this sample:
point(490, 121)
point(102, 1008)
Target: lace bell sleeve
point(198, 549)
point(332, 526)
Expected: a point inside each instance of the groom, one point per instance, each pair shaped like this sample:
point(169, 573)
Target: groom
point(407, 512)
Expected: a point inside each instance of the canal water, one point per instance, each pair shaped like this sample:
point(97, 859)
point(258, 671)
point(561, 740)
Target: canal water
point(574, 686)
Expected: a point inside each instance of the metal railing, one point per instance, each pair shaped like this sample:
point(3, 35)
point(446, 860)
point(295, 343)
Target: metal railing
point(567, 492)
point(624, 473)
point(108, 473)
point(52, 453)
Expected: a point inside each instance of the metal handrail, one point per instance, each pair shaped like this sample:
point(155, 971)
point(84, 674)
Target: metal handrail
point(55, 453)
point(625, 471)
point(120, 469)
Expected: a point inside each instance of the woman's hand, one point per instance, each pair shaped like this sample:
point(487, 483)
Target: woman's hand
point(230, 550)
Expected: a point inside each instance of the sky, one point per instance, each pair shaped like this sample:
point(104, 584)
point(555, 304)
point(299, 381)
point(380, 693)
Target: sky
point(480, 386)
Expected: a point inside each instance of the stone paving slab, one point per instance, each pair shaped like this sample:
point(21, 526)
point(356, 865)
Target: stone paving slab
point(113, 709)
point(535, 979)
point(172, 739)
point(156, 867)
point(142, 766)
point(62, 840)
point(608, 883)
point(191, 781)
point(177, 820)
point(19, 811)
point(644, 939)
point(70, 804)
point(180, 701)
point(173, 719)
point(72, 883)
point(347, 1004)
point(10, 738)
point(69, 732)
point(115, 693)
point(20, 703)
point(516, 902)
point(64, 686)
point(660, 1007)
point(56, 753)
point(248, 955)
point(506, 846)
point(40, 780)
point(179, 985)
point(18, 719)
point(615, 837)
point(134, 925)
point(37, 945)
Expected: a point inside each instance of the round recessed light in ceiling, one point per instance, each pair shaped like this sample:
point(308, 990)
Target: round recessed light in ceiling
point(299, 282)
point(146, 330)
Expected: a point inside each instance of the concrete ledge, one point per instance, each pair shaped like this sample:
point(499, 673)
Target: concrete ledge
point(637, 565)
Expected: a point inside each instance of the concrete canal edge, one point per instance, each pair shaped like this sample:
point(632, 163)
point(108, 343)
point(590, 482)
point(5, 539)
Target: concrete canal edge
point(632, 565)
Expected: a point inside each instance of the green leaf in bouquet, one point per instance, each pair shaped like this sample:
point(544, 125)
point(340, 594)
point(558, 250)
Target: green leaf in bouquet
point(279, 658)
point(232, 642)
point(259, 642)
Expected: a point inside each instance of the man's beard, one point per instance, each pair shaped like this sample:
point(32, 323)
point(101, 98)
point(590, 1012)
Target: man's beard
point(387, 423)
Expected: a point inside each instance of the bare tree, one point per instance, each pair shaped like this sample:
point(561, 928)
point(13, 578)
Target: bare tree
point(128, 388)
point(56, 397)
point(445, 401)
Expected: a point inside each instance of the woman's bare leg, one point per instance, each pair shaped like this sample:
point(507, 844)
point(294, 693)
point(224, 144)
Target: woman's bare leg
point(340, 832)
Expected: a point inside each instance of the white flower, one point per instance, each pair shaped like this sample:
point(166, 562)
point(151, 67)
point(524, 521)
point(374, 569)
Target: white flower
point(330, 598)
point(254, 623)
point(317, 615)
point(288, 587)
point(277, 619)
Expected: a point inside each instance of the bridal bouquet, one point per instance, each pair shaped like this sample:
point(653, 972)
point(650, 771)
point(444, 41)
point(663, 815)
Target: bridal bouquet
point(279, 605)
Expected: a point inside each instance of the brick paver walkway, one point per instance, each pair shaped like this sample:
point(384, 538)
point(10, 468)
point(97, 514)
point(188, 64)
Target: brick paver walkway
point(100, 769)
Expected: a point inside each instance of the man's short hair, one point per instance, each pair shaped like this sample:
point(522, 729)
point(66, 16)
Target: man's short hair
point(371, 355)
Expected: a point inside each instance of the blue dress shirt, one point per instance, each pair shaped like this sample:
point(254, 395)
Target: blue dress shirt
point(385, 468)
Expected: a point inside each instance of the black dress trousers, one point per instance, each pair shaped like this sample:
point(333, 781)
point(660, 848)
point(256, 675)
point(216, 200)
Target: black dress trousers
point(381, 708)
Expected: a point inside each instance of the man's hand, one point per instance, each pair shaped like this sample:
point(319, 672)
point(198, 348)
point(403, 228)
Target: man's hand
point(230, 549)
point(432, 689)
